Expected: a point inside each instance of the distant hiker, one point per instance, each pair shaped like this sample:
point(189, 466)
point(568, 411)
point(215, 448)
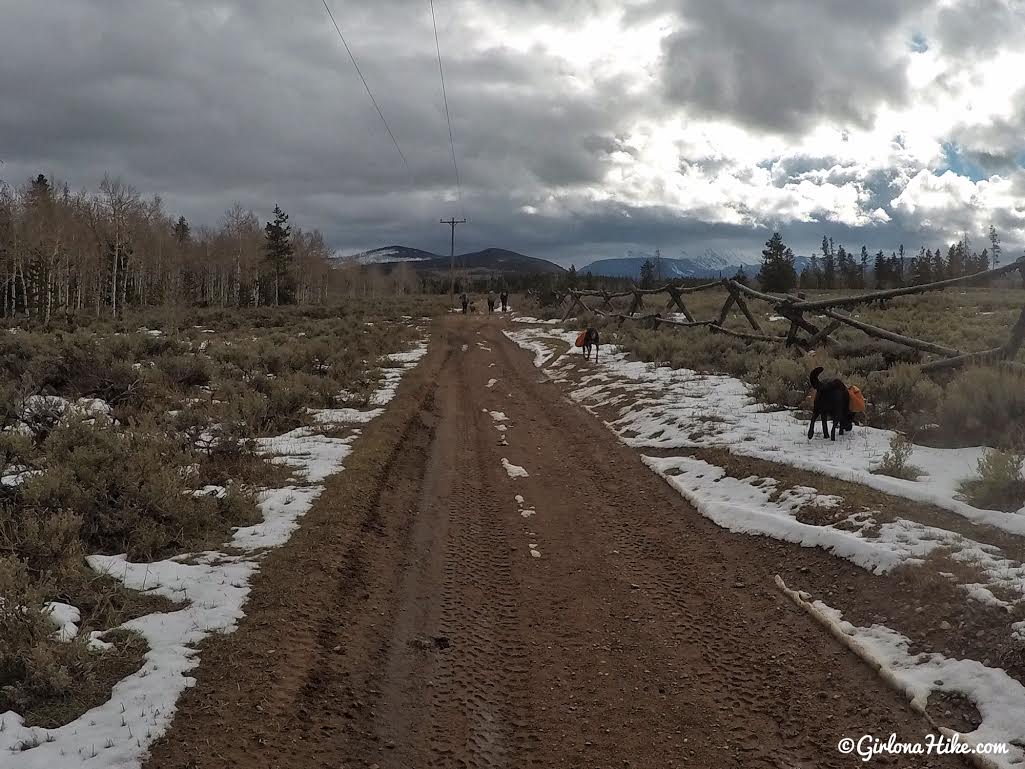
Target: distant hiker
point(491, 303)
point(465, 302)
point(504, 296)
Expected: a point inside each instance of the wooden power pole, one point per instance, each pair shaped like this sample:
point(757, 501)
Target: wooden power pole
point(452, 264)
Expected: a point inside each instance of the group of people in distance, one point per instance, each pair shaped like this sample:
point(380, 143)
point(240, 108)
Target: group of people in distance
point(464, 300)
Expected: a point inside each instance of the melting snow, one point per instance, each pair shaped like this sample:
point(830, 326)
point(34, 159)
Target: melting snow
point(214, 587)
point(515, 471)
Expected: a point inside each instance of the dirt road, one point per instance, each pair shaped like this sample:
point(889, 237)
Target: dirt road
point(425, 617)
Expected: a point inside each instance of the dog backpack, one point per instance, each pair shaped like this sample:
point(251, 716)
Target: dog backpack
point(857, 399)
point(580, 339)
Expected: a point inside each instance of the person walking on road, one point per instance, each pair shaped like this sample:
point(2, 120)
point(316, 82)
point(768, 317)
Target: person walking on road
point(504, 296)
point(491, 303)
point(465, 302)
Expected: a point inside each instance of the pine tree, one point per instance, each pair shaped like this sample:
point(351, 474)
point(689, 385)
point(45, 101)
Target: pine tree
point(40, 192)
point(922, 267)
point(955, 260)
point(863, 268)
point(182, 232)
point(829, 271)
point(813, 273)
point(982, 261)
point(880, 271)
point(895, 270)
point(938, 266)
point(279, 249)
point(648, 274)
point(571, 276)
point(995, 250)
point(777, 273)
point(843, 267)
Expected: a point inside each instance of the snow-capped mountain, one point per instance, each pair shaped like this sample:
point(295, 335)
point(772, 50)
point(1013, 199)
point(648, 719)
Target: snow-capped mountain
point(389, 255)
point(490, 260)
point(710, 264)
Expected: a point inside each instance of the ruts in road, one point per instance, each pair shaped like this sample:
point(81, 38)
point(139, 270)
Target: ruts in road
point(495, 581)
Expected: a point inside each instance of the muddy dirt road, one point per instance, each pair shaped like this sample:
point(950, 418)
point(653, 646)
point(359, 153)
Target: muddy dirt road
point(496, 582)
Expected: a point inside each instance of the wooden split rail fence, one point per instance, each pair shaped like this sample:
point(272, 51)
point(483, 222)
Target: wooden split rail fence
point(796, 309)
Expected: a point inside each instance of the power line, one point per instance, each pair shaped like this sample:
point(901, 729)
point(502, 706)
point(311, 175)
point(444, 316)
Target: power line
point(448, 116)
point(367, 86)
point(452, 223)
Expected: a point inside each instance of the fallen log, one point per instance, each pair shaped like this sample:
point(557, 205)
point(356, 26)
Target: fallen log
point(882, 333)
point(851, 301)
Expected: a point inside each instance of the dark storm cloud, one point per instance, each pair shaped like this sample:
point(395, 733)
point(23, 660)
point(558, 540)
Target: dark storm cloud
point(208, 102)
point(205, 103)
point(784, 65)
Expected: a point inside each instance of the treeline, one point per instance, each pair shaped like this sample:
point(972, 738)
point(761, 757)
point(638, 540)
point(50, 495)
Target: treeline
point(111, 250)
point(838, 268)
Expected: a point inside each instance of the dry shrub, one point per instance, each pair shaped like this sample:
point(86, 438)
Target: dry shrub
point(896, 461)
point(984, 406)
point(35, 667)
point(185, 371)
point(47, 542)
point(130, 490)
point(783, 381)
point(999, 485)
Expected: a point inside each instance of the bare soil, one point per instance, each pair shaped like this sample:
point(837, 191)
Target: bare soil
point(407, 624)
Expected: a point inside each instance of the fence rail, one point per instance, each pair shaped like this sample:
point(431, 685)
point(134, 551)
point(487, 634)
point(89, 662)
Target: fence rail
point(795, 308)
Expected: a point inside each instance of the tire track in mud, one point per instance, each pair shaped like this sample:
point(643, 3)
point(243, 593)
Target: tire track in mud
point(407, 624)
point(771, 688)
point(478, 692)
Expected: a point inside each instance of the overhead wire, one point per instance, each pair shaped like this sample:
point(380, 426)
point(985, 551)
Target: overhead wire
point(367, 87)
point(448, 114)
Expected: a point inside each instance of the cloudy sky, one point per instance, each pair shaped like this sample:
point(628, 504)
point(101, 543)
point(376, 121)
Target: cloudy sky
point(583, 128)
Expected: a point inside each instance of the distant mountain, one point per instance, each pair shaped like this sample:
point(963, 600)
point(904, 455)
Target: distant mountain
point(488, 261)
point(390, 255)
point(710, 264)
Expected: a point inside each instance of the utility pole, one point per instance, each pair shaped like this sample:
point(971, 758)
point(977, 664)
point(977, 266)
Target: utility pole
point(452, 264)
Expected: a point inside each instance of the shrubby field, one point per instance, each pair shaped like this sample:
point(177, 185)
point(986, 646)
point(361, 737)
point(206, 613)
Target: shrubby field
point(141, 437)
point(977, 406)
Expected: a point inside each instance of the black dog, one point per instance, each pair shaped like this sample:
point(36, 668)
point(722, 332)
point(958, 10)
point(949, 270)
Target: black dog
point(833, 401)
point(591, 338)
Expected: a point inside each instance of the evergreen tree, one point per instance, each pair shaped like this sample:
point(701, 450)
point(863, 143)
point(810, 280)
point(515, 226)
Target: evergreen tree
point(40, 193)
point(880, 271)
point(996, 250)
point(938, 266)
point(982, 261)
point(922, 267)
point(648, 274)
point(955, 260)
point(829, 271)
point(863, 268)
point(182, 232)
point(571, 276)
point(894, 270)
point(777, 273)
point(841, 267)
point(278, 250)
point(826, 276)
point(741, 276)
point(813, 273)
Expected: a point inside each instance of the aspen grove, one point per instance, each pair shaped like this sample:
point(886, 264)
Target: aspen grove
point(110, 250)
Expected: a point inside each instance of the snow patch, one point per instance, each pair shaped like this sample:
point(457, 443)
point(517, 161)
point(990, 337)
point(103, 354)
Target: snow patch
point(514, 471)
point(213, 588)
